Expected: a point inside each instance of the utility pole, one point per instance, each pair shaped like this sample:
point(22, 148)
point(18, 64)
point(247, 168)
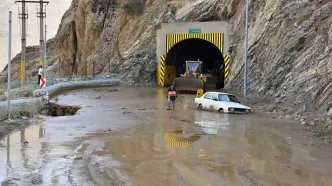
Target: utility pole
point(45, 53)
point(9, 61)
point(24, 17)
point(246, 51)
point(41, 15)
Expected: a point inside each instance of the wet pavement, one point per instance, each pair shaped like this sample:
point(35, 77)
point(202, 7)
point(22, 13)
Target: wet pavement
point(126, 136)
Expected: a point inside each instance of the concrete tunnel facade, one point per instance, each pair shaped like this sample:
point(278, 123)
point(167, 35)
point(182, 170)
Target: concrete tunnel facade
point(180, 42)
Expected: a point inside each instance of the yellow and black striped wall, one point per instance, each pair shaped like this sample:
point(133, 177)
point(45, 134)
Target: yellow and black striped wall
point(227, 63)
point(165, 73)
point(215, 38)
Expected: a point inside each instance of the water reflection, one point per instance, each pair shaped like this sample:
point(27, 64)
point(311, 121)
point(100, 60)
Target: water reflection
point(173, 139)
point(23, 148)
point(8, 155)
point(211, 122)
point(20, 151)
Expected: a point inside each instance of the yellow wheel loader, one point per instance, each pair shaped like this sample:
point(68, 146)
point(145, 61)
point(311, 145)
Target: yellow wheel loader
point(194, 79)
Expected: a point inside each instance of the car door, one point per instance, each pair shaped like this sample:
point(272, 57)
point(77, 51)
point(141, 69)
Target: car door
point(207, 100)
point(214, 102)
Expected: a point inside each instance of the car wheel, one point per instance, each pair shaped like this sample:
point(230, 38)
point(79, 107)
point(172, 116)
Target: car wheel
point(200, 107)
point(221, 110)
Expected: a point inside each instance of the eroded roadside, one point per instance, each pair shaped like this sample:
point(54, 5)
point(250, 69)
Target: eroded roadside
point(30, 103)
point(125, 136)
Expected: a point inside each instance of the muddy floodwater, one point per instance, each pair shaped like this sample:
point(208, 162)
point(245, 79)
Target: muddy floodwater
point(126, 136)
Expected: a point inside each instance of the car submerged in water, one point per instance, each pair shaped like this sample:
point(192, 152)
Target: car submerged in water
point(221, 102)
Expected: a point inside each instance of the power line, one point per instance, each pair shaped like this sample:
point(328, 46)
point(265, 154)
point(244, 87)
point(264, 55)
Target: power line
point(8, 7)
point(3, 34)
point(37, 17)
point(32, 36)
point(19, 21)
point(45, 14)
point(6, 4)
point(27, 16)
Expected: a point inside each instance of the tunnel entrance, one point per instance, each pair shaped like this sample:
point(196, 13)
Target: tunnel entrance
point(197, 49)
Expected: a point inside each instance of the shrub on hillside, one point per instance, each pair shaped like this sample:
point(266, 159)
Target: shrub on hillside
point(134, 7)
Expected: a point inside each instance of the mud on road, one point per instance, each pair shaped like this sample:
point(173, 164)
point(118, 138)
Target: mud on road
point(126, 136)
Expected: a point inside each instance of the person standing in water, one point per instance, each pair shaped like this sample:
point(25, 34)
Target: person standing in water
point(171, 96)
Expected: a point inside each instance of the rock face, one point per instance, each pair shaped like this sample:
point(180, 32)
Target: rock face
point(290, 44)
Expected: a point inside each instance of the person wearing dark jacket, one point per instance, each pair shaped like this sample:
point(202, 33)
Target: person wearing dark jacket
point(171, 96)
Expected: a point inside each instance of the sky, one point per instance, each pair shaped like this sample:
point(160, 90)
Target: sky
point(55, 9)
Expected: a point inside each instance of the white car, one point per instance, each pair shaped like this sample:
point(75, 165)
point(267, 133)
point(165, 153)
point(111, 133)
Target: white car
point(221, 102)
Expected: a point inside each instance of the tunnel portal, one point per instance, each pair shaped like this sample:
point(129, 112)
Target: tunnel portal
point(207, 42)
point(194, 50)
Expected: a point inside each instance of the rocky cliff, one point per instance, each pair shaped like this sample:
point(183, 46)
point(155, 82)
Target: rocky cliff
point(290, 44)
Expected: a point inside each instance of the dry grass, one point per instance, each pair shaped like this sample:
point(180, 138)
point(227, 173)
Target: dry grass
point(26, 110)
point(17, 93)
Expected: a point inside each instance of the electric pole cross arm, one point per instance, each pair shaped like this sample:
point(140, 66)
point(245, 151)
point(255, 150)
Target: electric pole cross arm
point(32, 1)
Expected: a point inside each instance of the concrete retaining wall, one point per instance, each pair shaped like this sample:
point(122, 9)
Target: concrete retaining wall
point(62, 87)
point(37, 104)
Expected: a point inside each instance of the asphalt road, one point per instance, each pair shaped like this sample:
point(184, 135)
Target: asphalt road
point(126, 136)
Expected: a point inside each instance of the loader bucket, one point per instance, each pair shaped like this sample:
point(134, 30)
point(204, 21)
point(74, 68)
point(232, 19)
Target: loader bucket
point(210, 83)
point(188, 84)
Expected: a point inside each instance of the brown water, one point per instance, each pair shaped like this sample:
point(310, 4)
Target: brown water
point(129, 138)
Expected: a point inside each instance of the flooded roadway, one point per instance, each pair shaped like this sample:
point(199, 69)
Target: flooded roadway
point(127, 137)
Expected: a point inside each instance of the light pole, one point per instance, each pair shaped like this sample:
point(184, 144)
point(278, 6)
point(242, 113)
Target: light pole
point(45, 54)
point(246, 51)
point(9, 62)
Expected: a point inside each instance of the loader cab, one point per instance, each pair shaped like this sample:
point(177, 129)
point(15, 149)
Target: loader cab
point(193, 68)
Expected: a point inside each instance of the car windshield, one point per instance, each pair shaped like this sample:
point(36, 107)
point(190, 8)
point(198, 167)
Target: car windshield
point(225, 97)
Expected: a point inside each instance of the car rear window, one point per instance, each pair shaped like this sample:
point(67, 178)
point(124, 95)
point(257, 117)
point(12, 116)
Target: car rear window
point(207, 96)
point(215, 96)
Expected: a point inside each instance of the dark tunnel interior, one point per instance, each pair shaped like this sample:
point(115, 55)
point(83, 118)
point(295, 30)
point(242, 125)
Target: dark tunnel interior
point(194, 49)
